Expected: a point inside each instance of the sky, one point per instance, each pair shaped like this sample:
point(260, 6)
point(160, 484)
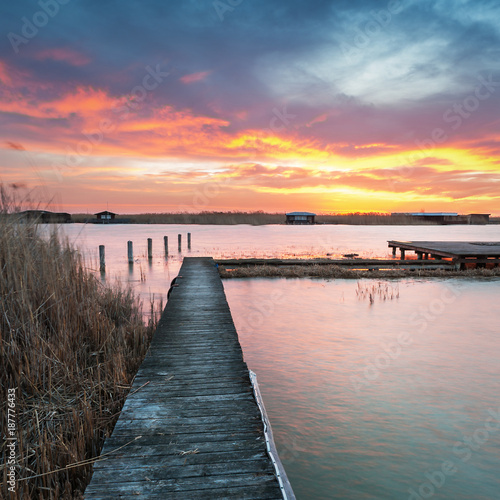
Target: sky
point(274, 105)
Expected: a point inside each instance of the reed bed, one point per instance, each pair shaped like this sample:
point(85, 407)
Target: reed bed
point(260, 218)
point(210, 218)
point(330, 272)
point(69, 349)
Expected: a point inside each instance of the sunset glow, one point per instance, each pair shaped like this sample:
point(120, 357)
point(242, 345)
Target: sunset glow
point(288, 105)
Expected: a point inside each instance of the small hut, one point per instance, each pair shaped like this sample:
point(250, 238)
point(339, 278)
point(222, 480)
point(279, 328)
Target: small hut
point(105, 216)
point(300, 218)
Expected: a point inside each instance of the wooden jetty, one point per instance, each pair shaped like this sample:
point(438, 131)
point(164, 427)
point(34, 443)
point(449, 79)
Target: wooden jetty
point(193, 426)
point(461, 253)
point(358, 264)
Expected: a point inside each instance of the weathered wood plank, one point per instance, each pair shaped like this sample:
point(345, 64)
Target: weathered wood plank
point(240, 488)
point(191, 427)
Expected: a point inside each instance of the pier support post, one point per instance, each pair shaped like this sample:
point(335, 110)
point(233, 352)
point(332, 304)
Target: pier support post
point(102, 259)
point(402, 254)
point(179, 242)
point(419, 255)
point(394, 251)
point(165, 243)
point(150, 248)
point(189, 241)
point(130, 252)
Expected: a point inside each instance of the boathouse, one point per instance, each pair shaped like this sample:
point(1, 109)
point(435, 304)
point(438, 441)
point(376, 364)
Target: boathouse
point(300, 218)
point(46, 217)
point(105, 216)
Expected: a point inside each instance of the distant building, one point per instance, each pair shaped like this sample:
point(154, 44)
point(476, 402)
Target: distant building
point(46, 217)
point(105, 216)
point(446, 217)
point(300, 218)
point(479, 218)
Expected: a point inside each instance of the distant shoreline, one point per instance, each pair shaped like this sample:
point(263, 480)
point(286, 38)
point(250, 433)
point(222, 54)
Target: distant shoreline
point(261, 218)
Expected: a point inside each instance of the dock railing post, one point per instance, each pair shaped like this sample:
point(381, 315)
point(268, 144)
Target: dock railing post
point(150, 248)
point(189, 241)
point(130, 252)
point(179, 241)
point(165, 243)
point(102, 258)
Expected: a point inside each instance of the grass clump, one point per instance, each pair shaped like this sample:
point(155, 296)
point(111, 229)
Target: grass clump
point(69, 349)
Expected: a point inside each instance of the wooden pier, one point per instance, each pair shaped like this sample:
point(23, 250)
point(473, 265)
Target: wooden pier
point(192, 426)
point(461, 253)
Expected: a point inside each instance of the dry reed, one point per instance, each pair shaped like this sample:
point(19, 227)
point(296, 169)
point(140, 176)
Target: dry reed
point(70, 348)
point(332, 271)
point(260, 218)
point(382, 291)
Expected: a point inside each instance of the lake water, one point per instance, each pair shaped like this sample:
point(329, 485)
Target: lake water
point(395, 399)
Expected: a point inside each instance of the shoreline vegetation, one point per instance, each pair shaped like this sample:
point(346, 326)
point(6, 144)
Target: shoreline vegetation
point(331, 272)
point(262, 218)
point(69, 349)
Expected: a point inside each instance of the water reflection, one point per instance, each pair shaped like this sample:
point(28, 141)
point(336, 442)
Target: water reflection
point(365, 397)
point(318, 342)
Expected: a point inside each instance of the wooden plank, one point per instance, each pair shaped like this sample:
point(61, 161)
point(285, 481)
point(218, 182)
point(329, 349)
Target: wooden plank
point(241, 487)
point(191, 427)
point(451, 249)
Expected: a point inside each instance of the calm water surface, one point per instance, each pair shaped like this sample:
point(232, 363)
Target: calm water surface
point(398, 399)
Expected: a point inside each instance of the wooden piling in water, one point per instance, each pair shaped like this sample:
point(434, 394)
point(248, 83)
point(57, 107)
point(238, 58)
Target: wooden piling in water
point(150, 248)
point(165, 243)
point(130, 252)
point(102, 258)
point(189, 241)
point(179, 242)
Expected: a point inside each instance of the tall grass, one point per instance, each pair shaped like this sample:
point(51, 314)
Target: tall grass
point(70, 348)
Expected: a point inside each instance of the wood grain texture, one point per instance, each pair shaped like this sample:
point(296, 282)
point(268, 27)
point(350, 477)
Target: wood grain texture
point(191, 427)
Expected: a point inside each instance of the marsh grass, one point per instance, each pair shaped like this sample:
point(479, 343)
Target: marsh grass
point(333, 271)
point(70, 348)
point(381, 290)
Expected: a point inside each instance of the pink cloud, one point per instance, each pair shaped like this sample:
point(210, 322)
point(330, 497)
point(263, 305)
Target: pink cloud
point(63, 55)
point(195, 77)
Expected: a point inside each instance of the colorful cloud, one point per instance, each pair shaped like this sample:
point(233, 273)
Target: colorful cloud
point(324, 106)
